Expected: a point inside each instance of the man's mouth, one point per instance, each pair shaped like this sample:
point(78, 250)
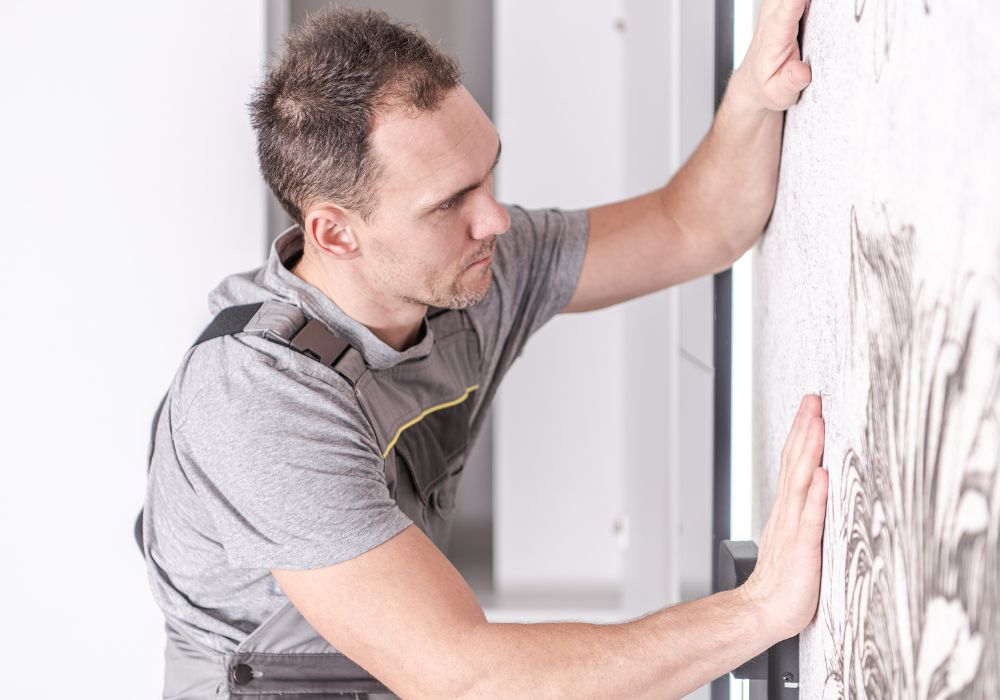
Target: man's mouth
point(485, 258)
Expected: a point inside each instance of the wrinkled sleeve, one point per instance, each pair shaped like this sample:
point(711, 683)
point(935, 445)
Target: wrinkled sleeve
point(287, 467)
point(537, 267)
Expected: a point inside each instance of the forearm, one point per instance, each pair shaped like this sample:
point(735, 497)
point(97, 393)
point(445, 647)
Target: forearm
point(725, 192)
point(665, 654)
point(717, 204)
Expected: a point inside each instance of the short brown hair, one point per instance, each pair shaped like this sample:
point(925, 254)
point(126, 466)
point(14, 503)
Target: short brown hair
point(315, 110)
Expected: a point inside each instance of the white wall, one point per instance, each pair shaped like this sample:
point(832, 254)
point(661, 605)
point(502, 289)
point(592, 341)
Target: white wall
point(129, 186)
point(559, 108)
point(695, 96)
point(597, 102)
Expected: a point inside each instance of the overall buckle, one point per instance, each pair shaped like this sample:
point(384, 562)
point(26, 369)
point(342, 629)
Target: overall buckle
point(316, 341)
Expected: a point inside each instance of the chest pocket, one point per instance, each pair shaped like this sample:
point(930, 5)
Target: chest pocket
point(422, 415)
point(433, 454)
point(424, 466)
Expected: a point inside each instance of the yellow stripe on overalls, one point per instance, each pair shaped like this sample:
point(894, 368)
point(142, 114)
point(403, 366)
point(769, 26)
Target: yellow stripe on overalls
point(426, 412)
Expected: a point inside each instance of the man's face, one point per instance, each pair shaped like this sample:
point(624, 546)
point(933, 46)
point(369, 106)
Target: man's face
point(431, 238)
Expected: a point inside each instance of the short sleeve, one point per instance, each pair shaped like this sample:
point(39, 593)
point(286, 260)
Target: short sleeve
point(537, 267)
point(287, 467)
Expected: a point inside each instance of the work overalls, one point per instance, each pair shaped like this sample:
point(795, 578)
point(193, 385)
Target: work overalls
point(420, 413)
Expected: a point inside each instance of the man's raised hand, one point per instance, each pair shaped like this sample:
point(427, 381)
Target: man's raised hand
point(772, 73)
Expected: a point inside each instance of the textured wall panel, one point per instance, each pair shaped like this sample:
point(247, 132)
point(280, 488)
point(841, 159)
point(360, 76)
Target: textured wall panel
point(878, 286)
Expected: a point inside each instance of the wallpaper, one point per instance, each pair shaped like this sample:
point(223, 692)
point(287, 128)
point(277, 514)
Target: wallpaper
point(877, 285)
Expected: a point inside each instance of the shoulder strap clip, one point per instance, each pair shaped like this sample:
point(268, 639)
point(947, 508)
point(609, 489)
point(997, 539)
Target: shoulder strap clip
point(317, 341)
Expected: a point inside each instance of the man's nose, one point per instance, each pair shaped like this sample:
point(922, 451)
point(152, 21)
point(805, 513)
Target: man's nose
point(491, 218)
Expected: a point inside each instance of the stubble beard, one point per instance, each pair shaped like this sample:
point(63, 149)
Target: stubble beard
point(461, 292)
point(463, 295)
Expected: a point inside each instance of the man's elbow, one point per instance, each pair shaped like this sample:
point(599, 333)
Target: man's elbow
point(464, 671)
point(731, 245)
point(431, 684)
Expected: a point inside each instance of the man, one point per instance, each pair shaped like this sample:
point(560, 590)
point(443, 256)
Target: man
point(308, 451)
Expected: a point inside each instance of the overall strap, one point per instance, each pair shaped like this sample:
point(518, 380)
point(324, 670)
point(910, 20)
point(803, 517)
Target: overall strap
point(229, 321)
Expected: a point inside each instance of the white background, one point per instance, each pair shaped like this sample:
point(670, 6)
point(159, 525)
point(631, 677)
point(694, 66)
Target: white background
point(130, 187)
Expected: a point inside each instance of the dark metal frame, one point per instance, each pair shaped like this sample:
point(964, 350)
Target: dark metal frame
point(722, 352)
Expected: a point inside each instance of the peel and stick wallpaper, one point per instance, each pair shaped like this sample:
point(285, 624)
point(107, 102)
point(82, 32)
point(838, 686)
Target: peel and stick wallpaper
point(877, 285)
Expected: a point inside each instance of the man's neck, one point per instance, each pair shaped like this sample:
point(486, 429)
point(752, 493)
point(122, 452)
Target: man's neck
point(398, 327)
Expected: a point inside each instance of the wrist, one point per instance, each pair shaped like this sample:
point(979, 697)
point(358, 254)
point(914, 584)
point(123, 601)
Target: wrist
point(741, 99)
point(742, 114)
point(759, 624)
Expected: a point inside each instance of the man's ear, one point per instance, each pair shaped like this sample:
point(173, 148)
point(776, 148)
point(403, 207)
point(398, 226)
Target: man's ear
point(328, 228)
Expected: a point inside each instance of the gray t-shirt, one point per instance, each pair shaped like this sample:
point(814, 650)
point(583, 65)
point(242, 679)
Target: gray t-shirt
point(263, 458)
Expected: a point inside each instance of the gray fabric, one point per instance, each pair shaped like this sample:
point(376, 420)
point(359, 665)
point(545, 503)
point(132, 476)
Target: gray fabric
point(263, 457)
point(286, 655)
point(191, 672)
point(420, 413)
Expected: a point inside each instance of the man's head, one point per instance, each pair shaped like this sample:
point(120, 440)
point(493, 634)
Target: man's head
point(374, 148)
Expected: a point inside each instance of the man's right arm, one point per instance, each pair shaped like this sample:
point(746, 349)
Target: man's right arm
point(405, 614)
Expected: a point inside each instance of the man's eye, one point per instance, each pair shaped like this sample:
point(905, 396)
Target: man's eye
point(451, 203)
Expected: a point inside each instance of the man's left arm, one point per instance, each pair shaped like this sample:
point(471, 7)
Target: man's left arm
point(716, 205)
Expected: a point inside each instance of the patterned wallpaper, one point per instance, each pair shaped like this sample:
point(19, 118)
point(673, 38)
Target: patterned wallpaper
point(877, 285)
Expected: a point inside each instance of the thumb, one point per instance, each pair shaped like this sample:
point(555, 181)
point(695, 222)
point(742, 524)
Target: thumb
point(797, 73)
point(787, 82)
